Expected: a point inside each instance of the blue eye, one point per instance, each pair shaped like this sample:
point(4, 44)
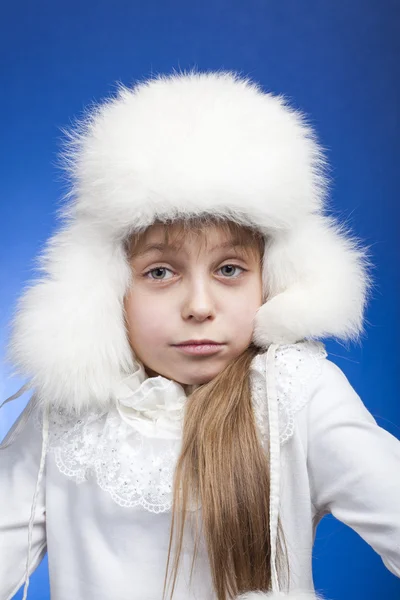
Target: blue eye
point(166, 269)
point(231, 266)
point(156, 269)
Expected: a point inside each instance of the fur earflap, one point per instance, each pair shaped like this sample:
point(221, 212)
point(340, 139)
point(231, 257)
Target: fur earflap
point(316, 282)
point(173, 147)
point(69, 332)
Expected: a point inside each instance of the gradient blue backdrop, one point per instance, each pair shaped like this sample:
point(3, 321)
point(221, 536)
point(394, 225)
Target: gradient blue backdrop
point(336, 60)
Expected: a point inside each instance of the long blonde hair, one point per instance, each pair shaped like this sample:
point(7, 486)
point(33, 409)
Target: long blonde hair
point(222, 466)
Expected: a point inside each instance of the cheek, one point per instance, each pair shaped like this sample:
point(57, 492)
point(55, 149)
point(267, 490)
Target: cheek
point(146, 316)
point(244, 311)
point(245, 315)
point(247, 302)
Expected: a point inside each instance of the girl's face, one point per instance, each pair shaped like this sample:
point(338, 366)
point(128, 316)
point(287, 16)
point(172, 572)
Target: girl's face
point(195, 293)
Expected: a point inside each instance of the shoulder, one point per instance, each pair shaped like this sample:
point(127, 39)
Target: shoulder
point(313, 391)
point(297, 367)
point(298, 370)
point(287, 356)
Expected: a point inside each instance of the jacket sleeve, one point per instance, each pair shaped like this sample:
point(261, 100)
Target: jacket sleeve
point(354, 465)
point(20, 454)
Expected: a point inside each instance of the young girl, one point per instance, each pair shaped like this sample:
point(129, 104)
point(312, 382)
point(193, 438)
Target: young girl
point(187, 432)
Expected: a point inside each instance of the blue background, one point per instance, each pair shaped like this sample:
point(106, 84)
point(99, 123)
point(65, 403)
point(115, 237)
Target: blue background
point(336, 60)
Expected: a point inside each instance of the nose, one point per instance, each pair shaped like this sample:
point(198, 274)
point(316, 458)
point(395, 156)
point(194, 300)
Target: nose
point(199, 302)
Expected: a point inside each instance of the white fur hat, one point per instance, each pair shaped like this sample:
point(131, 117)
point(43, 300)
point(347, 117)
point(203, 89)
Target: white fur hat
point(176, 146)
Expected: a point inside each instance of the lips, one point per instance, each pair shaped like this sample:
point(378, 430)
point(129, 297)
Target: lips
point(199, 343)
point(200, 349)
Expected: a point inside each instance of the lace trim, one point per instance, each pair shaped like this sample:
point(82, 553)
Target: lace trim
point(137, 470)
point(297, 366)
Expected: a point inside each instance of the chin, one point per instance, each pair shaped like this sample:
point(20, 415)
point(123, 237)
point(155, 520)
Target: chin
point(202, 377)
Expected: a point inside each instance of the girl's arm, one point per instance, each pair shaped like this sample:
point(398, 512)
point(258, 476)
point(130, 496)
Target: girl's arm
point(354, 465)
point(20, 454)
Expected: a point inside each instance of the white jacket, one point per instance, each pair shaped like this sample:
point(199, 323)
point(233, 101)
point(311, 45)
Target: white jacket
point(103, 504)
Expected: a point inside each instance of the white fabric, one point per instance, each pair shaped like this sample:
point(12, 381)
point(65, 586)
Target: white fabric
point(103, 508)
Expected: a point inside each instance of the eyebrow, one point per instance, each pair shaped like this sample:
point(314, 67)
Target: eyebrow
point(171, 247)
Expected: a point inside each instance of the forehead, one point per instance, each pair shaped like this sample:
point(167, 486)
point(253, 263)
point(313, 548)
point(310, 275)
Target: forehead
point(195, 235)
point(178, 235)
point(210, 237)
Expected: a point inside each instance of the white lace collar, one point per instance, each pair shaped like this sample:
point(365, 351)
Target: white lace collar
point(153, 406)
point(131, 450)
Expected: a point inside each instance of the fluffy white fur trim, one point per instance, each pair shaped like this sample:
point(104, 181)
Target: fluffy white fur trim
point(188, 144)
point(315, 281)
point(174, 147)
point(69, 331)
